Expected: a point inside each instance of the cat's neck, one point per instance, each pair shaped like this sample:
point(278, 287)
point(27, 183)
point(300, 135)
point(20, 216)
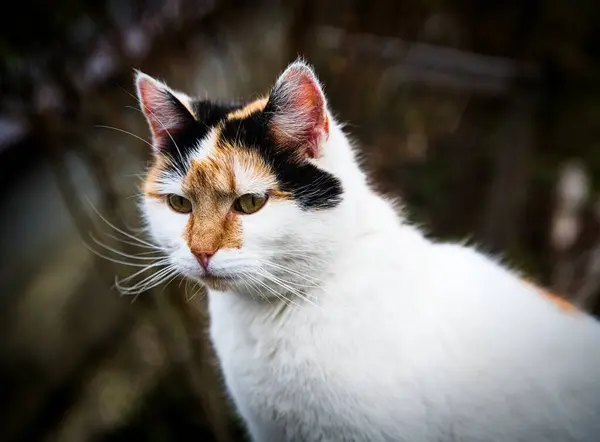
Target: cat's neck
point(366, 210)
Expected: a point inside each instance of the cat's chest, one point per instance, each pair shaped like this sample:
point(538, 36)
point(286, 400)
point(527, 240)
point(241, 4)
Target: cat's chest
point(257, 355)
point(292, 384)
point(310, 361)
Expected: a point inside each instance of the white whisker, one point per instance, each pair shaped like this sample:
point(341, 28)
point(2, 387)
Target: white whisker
point(130, 236)
point(147, 283)
point(125, 132)
point(123, 254)
point(291, 271)
point(282, 284)
point(139, 272)
point(133, 243)
point(117, 261)
point(271, 290)
point(252, 286)
point(198, 290)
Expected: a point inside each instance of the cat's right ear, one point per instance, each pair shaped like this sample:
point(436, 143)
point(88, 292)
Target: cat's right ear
point(167, 111)
point(300, 121)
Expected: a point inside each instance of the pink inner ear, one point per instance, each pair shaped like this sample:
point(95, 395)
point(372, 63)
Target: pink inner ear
point(301, 119)
point(164, 114)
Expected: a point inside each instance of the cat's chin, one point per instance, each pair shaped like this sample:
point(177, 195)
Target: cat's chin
point(219, 283)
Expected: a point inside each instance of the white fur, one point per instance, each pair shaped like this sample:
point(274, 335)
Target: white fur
point(403, 339)
point(205, 147)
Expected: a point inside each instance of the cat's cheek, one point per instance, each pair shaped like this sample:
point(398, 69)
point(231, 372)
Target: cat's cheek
point(269, 225)
point(252, 231)
point(185, 262)
point(165, 226)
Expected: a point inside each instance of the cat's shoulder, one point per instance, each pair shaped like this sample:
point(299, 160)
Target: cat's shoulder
point(461, 258)
point(468, 273)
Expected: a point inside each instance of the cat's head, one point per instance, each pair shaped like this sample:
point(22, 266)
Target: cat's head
point(246, 196)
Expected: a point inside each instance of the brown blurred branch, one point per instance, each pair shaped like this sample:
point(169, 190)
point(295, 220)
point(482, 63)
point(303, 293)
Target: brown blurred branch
point(63, 396)
point(429, 65)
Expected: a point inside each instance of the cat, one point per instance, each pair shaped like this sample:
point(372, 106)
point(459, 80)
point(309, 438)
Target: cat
point(333, 318)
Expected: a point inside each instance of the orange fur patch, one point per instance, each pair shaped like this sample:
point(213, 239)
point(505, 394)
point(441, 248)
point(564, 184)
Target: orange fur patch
point(212, 225)
point(218, 228)
point(248, 110)
point(557, 300)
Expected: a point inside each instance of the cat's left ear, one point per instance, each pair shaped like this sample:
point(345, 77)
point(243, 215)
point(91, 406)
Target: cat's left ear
point(167, 111)
point(298, 108)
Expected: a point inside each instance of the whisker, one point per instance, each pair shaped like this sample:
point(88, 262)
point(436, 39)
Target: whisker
point(102, 126)
point(279, 296)
point(116, 261)
point(153, 249)
point(199, 289)
point(135, 195)
point(291, 271)
point(151, 252)
point(123, 254)
point(119, 230)
point(303, 256)
point(172, 278)
point(150, 278)
point(252, 286)
point(283, 285)
point(307, 249)
point(147, 283)
point(139, 272)
point(130, 277)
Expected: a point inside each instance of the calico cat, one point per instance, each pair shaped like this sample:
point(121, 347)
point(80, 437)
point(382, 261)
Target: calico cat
point(334, 319)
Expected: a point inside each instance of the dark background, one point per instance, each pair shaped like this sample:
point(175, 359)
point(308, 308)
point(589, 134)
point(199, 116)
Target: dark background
point(481, 115)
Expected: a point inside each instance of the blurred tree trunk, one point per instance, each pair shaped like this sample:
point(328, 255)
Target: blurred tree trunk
point(513, 151)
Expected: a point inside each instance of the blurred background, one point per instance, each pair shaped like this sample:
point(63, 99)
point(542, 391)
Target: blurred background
point(482, 115)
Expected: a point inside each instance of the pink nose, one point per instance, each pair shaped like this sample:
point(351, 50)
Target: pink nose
point(203, 257)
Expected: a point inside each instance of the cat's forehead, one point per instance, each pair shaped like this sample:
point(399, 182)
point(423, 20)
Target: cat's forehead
point(226, 162)
point(222, 156)
point(225, 167)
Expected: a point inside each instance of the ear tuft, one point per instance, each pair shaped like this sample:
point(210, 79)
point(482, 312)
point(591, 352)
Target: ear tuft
point(167, 111)
point(299, 110)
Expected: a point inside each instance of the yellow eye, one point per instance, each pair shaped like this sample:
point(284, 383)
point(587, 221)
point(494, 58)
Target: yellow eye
point(249, 203)
point(179, 203)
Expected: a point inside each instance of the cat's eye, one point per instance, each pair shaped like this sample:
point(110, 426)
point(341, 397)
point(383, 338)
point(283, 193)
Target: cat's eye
point(249, 203)
point(179, 203)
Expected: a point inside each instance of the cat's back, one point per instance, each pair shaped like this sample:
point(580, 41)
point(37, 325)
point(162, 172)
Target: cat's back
point(466, 283)
point(484, 302)
point(518, 361)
